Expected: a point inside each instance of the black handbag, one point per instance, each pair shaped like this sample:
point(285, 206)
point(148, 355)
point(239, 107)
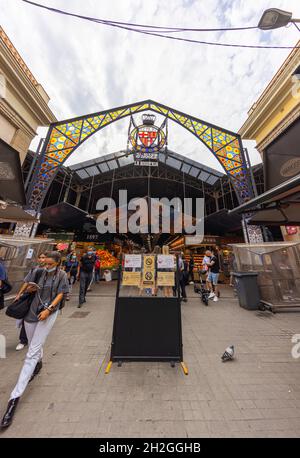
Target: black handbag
point(6, 287)
point(20, 308)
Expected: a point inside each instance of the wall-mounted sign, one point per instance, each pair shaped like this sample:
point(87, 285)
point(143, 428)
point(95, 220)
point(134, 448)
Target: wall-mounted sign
point(292, 230)
point(29, 253)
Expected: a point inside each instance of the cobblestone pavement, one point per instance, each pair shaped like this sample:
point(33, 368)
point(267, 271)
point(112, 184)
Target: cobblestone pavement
point(256, 395)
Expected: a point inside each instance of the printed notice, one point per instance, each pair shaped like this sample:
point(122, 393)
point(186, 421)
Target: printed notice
point(133, 261)
point(165, 279)
point(131, 279)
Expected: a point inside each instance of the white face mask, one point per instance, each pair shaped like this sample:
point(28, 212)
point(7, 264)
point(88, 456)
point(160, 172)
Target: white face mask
point(51, 270)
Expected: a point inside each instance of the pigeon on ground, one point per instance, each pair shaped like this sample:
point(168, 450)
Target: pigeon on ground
point(228, 355)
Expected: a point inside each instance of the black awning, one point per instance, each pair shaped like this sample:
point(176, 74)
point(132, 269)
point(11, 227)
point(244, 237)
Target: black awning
point(14, 213)
point(221, 222)
point(285, 194)
point(65, 216)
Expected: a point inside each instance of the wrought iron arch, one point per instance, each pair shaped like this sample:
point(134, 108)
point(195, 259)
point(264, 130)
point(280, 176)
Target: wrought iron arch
point(64, 137)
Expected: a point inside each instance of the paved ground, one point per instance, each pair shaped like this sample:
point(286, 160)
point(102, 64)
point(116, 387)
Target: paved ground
point(257, 395)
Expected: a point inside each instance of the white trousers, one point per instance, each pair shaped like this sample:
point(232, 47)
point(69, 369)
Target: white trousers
point(37, 334)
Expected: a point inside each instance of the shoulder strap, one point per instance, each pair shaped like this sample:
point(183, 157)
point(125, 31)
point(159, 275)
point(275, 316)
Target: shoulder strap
point(38, 275)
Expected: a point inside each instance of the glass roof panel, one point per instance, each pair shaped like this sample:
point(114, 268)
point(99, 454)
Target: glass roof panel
point(126, 160)
point(92, 171)
point(212, 179)
point(103, 167)
point(203, 176)
point(186, 168)
point(173, 163)
point(112, 164)
point(194, 172)
point(82, 174)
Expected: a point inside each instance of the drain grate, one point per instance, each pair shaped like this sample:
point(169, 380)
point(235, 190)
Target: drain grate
point(79, 314)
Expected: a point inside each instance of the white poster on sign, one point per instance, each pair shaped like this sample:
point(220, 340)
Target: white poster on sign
point(165, 261)
point(133, 261)
point(29, 253)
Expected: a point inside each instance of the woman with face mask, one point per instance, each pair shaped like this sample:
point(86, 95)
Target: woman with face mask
point(52, 286)
point(23, 341)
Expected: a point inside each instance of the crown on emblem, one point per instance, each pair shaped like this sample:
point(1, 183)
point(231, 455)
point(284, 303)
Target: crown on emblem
point(148, 119)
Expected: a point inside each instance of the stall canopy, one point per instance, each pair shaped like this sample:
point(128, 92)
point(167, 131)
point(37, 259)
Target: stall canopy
point(278, 206)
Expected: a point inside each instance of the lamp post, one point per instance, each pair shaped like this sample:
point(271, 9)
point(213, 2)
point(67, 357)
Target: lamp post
point(273, 18)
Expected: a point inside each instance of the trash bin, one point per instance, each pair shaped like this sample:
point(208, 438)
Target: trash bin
point(247, 289)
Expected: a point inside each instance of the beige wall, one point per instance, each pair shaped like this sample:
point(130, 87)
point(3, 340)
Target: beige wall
point(23, 101)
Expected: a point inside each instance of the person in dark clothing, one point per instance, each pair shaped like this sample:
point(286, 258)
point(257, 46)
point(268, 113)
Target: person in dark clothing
point(85, 274)
point(71, 268)
point(183, 272)
point(213, 276)
point(191, 269)
point(3, 276)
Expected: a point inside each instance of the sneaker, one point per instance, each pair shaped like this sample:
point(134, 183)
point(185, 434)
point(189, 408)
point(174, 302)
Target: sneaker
point(79, 306)
point(20, 346)
point(184, 299)
point(215, 299)
point(211, 295)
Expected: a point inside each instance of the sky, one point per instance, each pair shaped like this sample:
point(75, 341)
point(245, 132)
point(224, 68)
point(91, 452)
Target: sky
point(86, 67)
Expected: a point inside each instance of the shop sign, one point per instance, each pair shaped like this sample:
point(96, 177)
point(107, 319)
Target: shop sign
point(194, 240)
point(131, 279)
point(133, 261)
point(292, 230)
point(165, 279)
point(165, 261)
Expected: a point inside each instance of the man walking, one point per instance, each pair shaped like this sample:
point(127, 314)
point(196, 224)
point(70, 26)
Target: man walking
point(213, 276)
point(85, 273)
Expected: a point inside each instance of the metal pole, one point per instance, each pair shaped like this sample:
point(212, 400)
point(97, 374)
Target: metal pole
point(33, 164)
point(251, 173)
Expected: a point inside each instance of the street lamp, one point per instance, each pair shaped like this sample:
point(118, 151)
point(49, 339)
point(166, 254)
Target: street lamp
point(273, 18)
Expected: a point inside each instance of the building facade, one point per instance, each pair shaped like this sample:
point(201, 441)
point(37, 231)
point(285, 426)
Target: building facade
point(274, 123)
point(23, 101)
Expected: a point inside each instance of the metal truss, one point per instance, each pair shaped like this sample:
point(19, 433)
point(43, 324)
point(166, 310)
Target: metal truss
point(66, 136)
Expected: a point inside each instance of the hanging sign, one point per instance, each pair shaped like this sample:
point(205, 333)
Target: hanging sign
point(131, 279)
point(165, 279)
point(147, 140)
point(165, 261)
point(133, 261)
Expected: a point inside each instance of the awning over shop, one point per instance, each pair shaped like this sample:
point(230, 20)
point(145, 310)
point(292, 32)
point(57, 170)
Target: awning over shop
point(64, 215)
point(13, 214)
point(220, 222)
point(278, 206)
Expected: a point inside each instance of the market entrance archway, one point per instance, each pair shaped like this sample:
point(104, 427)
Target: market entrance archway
point(64, 137)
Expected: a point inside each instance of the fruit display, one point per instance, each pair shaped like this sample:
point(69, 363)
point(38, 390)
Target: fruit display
point(107, 260)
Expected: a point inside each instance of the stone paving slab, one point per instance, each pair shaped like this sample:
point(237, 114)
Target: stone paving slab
point(256, 395)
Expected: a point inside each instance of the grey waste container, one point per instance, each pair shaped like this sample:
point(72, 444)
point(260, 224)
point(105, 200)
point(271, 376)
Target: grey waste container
point(247, 289)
